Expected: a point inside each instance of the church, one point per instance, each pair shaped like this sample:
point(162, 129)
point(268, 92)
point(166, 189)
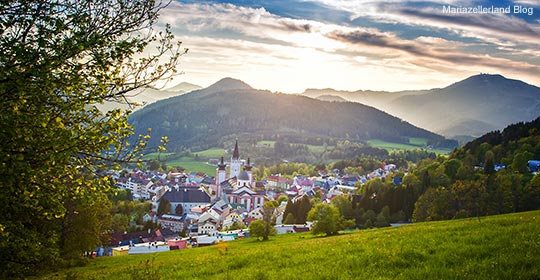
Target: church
point(239, 186)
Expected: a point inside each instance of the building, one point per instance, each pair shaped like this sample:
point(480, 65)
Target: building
point(187, 198)
point(239, 187)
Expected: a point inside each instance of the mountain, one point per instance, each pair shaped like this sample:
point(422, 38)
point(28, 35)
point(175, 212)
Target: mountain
point(474, 106)
point(231, 108)
point(331, 98)
point(148, 95)
point(471, 107)
point(377, 99)
point(183, 87)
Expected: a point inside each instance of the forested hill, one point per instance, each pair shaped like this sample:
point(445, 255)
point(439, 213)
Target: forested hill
point(231, 108)
point(510, 143)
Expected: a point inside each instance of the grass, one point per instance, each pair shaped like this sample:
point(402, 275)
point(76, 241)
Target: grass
point(211, 153)
point(192, 165)
point(153, 156)
point(416, 141)
point(390, 146)
point(496, 247)
point(312, 148)
point(189, 163)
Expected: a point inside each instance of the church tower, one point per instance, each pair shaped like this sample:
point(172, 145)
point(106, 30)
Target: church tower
point(248, 170)
point(221, 176)
point(236, 163)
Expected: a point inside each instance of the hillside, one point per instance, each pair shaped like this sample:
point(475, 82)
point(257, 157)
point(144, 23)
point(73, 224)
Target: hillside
point(377, 99)
point(495, 247)
point(149, 95)
point(230, 108)
point(471, 107)
point(512, 140)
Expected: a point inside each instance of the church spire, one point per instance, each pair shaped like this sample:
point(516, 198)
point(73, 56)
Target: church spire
point(236, 154)
point(221, 165)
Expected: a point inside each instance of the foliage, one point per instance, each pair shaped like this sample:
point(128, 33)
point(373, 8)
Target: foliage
point(236, 225)
point(60, 59)
point(264, 228)
point(289, 219)
point(299, 209)
point(164, 207)
point(256, 228)
point(326, 219)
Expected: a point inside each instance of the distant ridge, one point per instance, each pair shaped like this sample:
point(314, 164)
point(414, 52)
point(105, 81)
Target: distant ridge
point(471, 107)
point(207, 117)
point(183, 87)
point(227, 84)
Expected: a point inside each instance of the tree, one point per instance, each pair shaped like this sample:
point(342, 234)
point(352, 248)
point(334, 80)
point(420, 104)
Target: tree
point(179, 210)
point(164, 207)
point(265, 227)
point(256, 229)
point(381, 220)
point(344, 205)
point(59, 60)
point(326, 219)
point(289, 219)
point(433, 205)
point(282, 198)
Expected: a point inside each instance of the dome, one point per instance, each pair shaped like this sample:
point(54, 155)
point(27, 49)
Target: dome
point(243, 176)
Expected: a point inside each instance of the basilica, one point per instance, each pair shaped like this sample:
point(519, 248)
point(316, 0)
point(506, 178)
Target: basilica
point(238, 187)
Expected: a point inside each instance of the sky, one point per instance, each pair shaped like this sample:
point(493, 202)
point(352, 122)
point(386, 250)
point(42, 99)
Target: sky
point(291, 45)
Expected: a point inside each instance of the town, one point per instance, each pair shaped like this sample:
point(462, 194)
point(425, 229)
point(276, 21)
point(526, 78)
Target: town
point(209, 209)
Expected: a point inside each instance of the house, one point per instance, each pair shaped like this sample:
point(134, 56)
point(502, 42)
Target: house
point(186, 197)
point(150, 216)
point(304, 183)
point(350, 179)
point(256, 214)
point(177, 244)
point(283, 229)
point(209, 240)
point(533, 165)
point(208, 227)
point(173, 222)
point(232, 218)
point(148, 248)
point(222, 209)
point(278, 182)
point(130, 238)
point(120, 251)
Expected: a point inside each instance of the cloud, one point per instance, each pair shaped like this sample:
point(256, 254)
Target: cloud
point(496, 25)
point(255, 22)
point(428, 14)
point(254, 44)
point(431, 48)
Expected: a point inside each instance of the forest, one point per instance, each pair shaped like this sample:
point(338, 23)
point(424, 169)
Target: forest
point(487, 176)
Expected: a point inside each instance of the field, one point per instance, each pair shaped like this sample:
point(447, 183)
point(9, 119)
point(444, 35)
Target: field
point(212, 153)
point(192, 165)
point(496, 247)
point(414, 143)
point(312, 148)
point(189, 163)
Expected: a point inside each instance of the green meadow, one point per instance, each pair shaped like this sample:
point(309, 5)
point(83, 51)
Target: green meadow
point(212, 153)
point(414, 143)
point(192, 165)
point(495, 247)
point(189, 163)
point(311, 148)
